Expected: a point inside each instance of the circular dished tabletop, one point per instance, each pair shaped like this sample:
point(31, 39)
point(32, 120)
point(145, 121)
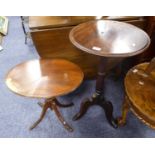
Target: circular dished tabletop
point(109, 38)
point(44, 78)
point(140, 89)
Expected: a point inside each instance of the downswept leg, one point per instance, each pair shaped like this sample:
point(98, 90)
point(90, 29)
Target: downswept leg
point(125, 109)
point(58, 114)
point(108, 108)
point(46, 105)
point(62, 105)
point(50, 103)
point(83, 109)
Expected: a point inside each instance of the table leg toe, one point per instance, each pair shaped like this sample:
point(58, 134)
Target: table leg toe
point(108, 108)
point(45, 106)
point(83, 109)
point(60, 117)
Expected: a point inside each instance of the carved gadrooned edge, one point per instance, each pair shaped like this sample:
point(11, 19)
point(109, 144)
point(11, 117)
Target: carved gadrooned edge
point(143, 120)
point(136, 111)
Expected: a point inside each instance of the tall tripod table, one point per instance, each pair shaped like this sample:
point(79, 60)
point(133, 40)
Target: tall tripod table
point(112, 41)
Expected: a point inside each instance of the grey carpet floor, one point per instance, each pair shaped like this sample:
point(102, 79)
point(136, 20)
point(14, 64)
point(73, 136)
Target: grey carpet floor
point(17, 113)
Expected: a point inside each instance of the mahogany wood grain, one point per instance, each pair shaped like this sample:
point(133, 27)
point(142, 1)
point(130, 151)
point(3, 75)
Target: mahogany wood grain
point(109, 38)
point(46, 22)
point(50, 37)
point(140, 93)
point(44, 78)
point(123, 18)
point(150, 25)
point(150, 53)
point(55, 43)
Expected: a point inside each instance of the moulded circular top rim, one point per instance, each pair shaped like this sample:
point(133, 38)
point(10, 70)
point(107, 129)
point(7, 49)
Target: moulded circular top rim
point(119, 28)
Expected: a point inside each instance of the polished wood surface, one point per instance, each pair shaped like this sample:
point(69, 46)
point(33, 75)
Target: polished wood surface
point(140, 93)
point(151, 25)
point(44, 78)
point(123, 18)
point(41, 22)
point(109, 38)
point(50, 37)
point(55, 43)
point(148, 54)
point(46, 22)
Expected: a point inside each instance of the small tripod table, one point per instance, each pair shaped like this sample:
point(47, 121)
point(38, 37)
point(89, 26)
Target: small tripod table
point(112, 41)
point(46, 78)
